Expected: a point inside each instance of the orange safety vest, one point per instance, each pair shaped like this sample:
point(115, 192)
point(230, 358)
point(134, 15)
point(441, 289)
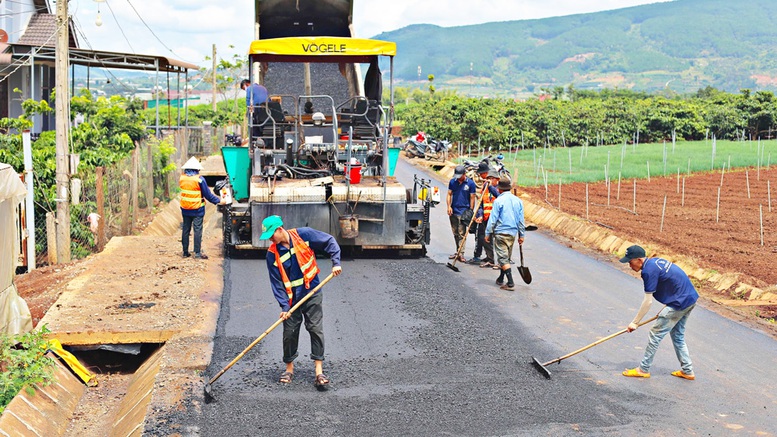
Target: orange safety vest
point(488, 205)
point(306, 259)
point(191, 196)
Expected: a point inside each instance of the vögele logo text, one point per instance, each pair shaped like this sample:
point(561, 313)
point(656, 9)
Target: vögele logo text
point(323, 48)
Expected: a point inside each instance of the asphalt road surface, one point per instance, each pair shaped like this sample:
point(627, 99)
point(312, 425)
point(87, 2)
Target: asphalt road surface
point(414, 348)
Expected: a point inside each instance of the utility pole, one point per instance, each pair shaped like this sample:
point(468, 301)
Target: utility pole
point(214, 77)
point(62, 123)
point(29, 212)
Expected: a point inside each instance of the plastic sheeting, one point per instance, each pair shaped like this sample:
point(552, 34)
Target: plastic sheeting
point(15, 316)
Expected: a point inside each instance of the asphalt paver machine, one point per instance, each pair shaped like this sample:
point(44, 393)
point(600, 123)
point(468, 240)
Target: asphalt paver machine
point(323, 163)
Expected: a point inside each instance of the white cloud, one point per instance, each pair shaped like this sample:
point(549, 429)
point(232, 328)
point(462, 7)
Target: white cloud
point(190, 27)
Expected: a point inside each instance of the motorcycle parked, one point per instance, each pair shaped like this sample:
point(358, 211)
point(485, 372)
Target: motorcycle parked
point(437, 149)
point(422, 145)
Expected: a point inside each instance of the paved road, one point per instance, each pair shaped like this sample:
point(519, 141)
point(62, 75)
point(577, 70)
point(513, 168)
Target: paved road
point(414, 348)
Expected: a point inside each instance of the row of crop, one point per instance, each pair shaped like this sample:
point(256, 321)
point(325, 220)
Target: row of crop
point(591, 119)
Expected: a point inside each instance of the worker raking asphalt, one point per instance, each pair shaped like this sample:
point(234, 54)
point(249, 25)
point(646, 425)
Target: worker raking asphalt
point(410, 351)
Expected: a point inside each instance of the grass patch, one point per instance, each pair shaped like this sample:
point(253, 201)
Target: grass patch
point(537, 167)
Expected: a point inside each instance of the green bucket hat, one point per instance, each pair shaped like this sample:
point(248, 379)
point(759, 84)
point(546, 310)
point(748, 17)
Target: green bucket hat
point(269, 225)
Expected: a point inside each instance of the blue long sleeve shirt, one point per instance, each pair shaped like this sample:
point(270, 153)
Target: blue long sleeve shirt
point(319, 242)
point(208, 195)
point(256, 95)
point(506, 216)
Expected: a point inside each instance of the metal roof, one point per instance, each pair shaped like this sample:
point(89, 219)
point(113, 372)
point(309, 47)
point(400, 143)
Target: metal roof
point(95, 58)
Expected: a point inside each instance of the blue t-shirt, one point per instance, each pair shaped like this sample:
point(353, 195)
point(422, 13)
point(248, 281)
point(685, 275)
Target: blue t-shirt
point(669, 283)
point(461, 192)
point(256, 95)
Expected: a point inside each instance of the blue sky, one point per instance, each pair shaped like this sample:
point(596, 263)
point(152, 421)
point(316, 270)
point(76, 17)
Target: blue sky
point(187, 29)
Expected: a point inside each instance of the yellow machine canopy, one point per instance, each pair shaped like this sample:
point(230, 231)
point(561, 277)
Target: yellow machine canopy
point(319, 49)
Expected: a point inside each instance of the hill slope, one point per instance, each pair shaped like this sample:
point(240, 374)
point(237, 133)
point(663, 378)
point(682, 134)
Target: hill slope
point(688, 44)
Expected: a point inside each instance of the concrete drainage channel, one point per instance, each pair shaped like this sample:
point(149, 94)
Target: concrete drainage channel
point(59, 408)
point(142, 319)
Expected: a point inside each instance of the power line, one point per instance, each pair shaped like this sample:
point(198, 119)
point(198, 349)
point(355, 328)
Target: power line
point(105, 68)
point(149, 29)
point(120, 28)
point(22, 62)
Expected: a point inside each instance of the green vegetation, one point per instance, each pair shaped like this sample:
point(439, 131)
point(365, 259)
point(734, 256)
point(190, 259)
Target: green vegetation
point(680, 45)
point(577, 118)
point(112, 130)
point(555, 134)
point(23, 364)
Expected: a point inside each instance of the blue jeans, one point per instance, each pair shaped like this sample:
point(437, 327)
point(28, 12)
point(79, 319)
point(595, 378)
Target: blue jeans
point(186, 228)
point(673, 322)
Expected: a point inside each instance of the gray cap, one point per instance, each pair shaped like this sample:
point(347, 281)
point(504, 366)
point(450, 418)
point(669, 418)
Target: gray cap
point(493, 174)
point(459, 171)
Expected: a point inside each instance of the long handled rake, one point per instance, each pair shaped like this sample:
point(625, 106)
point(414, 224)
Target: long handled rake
point(541, 366)
point(208, 393)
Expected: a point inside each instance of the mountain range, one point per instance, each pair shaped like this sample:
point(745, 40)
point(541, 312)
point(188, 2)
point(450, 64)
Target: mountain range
point(679, 46)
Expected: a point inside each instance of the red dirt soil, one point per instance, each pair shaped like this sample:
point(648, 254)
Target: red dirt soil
point(728, 241)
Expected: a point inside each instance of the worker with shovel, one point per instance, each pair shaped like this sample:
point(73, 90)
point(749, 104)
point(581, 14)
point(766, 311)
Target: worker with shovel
point(504, 224)
point(291, 262)
point(669, 285)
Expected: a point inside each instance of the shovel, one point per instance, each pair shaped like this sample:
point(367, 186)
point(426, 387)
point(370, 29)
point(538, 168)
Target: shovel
point(541, 366)
point(208, 393)
point(524, 271)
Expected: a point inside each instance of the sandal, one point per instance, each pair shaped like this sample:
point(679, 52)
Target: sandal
point(508, 287)
point(635, 372)
point(452, 256)
point(681, 374)
point(462, 259)
point(485, 265)
point(286, 378)
point(321, 380)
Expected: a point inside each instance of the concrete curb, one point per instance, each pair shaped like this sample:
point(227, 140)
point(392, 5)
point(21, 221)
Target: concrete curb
point(48, 410)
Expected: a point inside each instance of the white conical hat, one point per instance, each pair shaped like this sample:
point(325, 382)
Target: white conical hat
point(192, 164)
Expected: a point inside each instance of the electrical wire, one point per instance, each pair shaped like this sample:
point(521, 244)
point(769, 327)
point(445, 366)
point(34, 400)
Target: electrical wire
point(23, 61)
point(120, 28)
point(152, 32)
point(105, 68)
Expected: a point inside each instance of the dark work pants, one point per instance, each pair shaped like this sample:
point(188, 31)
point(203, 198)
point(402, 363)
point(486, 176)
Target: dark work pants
point(483, 246)
point(459, 229)
point(186, 229)
point(256, 120)
point(313, 313)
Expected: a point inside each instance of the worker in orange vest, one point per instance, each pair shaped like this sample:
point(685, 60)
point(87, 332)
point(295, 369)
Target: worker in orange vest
point(194, 191)
point(481, 218)
point(292, 279)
